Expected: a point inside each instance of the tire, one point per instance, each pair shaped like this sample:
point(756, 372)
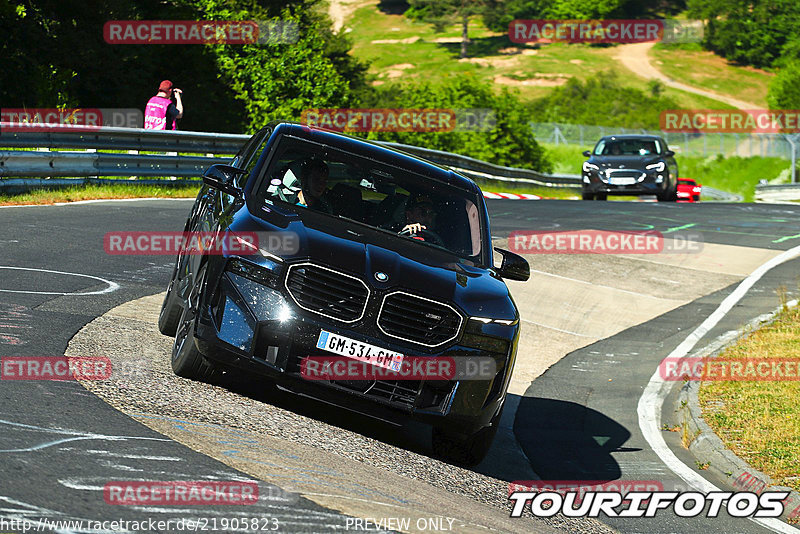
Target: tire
point(187, 361)
point(588, 196)
point(171, 308)
point(601, 196)
point(467, 451)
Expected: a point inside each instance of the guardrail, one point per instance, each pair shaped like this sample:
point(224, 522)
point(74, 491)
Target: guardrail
point(24, 163)
point(777, 193)
point(60, 136)
point(17, 163)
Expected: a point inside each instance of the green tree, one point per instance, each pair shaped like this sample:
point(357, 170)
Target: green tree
point(784, 90)
point(509, 143)
point(753, 32)
point(58, 57)
point(499, 13)
point(443, 13)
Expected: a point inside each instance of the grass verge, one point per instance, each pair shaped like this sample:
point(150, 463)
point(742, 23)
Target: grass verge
point(91, 192)
point(760, 421)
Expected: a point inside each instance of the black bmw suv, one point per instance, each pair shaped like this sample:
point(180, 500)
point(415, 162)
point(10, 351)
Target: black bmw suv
point(630, 165)
point(383, 250)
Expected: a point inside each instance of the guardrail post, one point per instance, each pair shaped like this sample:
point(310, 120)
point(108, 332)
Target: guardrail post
point(792, 139)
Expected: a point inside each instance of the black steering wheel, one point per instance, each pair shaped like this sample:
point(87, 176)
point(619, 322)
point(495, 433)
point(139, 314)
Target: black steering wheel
point(426, 235)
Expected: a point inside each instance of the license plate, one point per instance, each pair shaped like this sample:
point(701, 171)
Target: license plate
point(358, 350)
point(622, 181)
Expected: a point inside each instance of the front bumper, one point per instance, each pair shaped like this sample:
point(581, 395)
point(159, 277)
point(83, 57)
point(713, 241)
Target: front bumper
point(646, 183)
point(238, 330)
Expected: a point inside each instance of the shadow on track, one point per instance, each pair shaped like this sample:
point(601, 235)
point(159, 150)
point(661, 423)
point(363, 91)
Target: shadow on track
point(568, 441)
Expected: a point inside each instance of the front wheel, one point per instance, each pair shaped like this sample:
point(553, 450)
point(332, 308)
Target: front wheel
point(588, 196)
point(187, 361)
point(470, 450)
point(171, 308)
point(601, 196)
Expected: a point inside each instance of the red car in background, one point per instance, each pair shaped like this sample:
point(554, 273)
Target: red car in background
point(688, 190)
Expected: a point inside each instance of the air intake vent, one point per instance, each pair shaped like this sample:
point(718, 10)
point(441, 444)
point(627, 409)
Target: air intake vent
point(419, 320)
point(327, 292)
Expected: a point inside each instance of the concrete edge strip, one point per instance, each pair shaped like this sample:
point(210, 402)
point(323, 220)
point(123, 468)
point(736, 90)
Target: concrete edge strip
point(706, 445)
point(657, 389)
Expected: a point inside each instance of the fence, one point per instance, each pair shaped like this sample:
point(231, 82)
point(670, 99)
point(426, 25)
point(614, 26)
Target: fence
point(687, 144)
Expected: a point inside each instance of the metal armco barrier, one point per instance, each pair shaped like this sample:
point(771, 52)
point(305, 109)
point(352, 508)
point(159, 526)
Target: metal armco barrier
point(121, 139)
point(778, 193)
point(28, 163)
point(24, 163)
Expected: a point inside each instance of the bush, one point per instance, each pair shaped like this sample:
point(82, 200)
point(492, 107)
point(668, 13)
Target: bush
point(601, 100)
point(510, 143)
point(784, 90)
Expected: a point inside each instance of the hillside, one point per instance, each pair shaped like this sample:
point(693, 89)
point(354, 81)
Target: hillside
point(401, 49)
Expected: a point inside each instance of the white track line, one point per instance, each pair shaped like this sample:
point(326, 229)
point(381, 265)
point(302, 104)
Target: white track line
point(605, 287)
point(651, 401)
point(112, 286)
point(559, 329)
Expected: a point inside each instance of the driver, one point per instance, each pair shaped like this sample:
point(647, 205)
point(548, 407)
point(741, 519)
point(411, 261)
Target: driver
point(420, 214)
point(314, 181)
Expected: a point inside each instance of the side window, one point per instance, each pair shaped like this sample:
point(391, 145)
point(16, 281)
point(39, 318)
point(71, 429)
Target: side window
point(244, 151)
point(250, 159)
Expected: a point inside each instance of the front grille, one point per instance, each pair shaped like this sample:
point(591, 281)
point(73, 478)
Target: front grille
point(419, 320)
point(623, 173)
point(327, 292)
point(400, 391)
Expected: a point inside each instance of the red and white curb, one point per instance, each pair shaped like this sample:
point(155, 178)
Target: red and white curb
point(512, 196)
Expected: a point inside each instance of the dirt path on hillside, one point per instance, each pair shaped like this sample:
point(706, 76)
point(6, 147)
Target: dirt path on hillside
point(635, 58)
point(340, 10)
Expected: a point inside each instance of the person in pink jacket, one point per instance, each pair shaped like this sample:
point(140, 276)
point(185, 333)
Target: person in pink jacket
point(161, 113)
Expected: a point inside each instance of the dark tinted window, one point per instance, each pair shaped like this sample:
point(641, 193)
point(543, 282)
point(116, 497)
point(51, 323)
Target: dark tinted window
point(345, 185)
point(628, 147)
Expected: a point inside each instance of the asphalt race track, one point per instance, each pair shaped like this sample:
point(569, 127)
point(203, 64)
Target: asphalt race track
point(596, 327)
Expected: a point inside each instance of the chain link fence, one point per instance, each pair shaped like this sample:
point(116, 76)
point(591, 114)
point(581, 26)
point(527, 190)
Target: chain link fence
point(688, 144)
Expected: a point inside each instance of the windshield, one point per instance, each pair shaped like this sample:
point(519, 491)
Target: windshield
point(627, 147)
point(340, 184)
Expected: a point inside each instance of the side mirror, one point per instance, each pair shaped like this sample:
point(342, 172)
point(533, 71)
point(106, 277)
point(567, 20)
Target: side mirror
point(514, 266)
point(587, 153)
point(669, 153)
point(221, 177)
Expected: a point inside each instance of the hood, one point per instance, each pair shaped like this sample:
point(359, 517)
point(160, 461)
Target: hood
point(410, 266)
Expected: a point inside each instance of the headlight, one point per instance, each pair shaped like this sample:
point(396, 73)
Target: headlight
point(590, 167)
point(487, 320)
point(658, 167)
point(252, 248)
